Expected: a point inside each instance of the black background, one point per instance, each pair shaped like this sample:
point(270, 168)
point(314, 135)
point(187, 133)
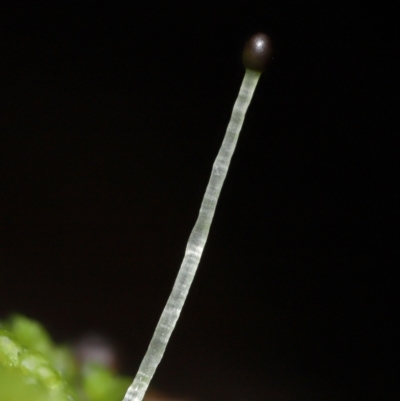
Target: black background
point(112, 115)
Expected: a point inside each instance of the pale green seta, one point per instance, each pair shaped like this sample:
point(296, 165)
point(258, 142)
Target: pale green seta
point(196, 243)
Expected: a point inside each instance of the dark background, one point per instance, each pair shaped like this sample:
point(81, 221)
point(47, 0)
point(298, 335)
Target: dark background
point(112, 115)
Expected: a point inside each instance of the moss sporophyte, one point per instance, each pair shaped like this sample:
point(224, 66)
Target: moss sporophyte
point(33, 368)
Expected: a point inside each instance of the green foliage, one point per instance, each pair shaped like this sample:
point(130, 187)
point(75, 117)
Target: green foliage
point(102, 385)
point(33, 368)
point(14, 385)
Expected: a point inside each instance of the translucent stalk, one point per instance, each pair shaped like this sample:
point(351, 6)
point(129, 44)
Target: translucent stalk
point(196, 243)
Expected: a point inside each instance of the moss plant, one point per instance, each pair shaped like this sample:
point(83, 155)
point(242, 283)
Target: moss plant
point(33, 368)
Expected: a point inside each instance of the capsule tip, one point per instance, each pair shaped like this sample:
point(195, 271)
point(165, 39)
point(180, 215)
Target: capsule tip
point(257, 52)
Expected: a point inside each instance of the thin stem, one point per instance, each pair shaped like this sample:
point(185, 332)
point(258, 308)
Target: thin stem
point(196, 243)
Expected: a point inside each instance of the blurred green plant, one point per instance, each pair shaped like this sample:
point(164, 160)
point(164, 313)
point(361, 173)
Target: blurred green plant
point(34, 368)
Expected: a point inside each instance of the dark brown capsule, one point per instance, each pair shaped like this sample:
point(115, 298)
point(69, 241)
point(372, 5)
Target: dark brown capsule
point(257, 52)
